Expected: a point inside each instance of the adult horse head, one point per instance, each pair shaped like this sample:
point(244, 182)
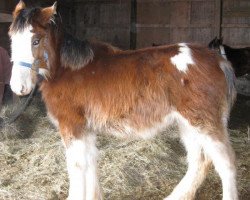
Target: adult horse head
point(239, 57)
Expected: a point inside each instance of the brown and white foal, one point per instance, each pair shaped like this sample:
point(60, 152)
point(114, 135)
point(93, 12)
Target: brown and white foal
point(92, 87)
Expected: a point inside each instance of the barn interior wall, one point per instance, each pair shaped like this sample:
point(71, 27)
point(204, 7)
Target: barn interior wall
point(236, 22)
point(6, 7)
point(164, 21)
point(144, 22)
point(104, 20)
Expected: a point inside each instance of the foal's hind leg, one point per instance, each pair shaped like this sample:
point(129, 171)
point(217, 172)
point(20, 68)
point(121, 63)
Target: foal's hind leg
point(220, 151)
point(198, 165)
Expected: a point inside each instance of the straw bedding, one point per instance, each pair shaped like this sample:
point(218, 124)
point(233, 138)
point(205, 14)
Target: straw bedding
point(32, 162)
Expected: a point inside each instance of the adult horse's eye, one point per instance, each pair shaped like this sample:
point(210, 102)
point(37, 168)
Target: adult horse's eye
point(35, 42)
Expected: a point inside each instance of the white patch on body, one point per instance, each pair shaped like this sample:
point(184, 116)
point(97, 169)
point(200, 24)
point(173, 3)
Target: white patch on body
point(81, 157)
point(21, 78)
point(183, 59)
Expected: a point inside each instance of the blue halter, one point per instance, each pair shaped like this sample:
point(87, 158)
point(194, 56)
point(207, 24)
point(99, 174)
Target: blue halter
point(36, 62)
point(25, 64)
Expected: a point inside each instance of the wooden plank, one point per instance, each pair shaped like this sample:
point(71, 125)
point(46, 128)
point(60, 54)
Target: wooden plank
point(153, 12)
point(238, 13)
point(205, 25)
point(180, 12)
point(5, 17)
point(173, 0)
point(115, 14)
point(202, 12)
point(236, 36)
point(133, 21)
point(148, 36)
point(217, 18)
point(178, 35)
point(235, 26)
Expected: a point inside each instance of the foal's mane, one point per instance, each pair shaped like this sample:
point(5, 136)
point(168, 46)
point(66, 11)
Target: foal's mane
point(74, 53)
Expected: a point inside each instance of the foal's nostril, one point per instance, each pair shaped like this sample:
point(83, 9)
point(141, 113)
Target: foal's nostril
point(22, 91)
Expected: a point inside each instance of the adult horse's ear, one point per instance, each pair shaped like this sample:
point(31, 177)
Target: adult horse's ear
point(20, 6)
point(48, 13)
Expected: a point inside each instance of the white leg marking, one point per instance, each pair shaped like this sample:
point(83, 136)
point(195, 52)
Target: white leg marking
point(219, 152)
point(183, 59)
point(222, 156)
point(197, 162)
point(82, 168)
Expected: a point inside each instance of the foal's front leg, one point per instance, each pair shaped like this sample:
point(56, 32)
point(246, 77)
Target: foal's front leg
point(81, 155)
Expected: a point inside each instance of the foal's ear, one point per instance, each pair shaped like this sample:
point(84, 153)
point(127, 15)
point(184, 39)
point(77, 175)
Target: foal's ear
point(20, 6)
point(48, 13)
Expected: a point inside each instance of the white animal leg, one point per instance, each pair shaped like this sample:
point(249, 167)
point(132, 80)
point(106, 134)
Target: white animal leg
point(198, 165)
point(81, 157)
point(222, 155)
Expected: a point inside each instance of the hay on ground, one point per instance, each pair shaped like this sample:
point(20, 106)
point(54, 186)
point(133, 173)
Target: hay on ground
point(33, 163)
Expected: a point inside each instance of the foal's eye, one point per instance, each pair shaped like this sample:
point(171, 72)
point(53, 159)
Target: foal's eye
point(36, 42)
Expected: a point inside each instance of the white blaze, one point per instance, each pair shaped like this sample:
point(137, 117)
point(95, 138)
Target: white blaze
point(183, 59)
point(21, 82)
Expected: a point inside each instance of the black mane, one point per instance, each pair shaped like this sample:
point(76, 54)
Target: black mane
point(75, 53)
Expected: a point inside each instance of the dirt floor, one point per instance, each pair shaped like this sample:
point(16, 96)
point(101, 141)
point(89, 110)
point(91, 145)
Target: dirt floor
point(32, 162)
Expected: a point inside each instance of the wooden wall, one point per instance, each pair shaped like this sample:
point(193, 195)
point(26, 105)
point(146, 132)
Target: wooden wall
point(107, 20)
point(5, 8)
point(139, 23)
point(236, 22)
point(171, 21)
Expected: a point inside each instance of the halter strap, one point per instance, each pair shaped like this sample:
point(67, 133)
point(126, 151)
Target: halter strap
point(25, 64)
point(36, 63)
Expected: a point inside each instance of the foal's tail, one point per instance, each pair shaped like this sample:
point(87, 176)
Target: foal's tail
point(230, 78)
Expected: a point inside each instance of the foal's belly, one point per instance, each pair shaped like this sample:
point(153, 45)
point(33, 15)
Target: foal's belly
point(128, 129)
